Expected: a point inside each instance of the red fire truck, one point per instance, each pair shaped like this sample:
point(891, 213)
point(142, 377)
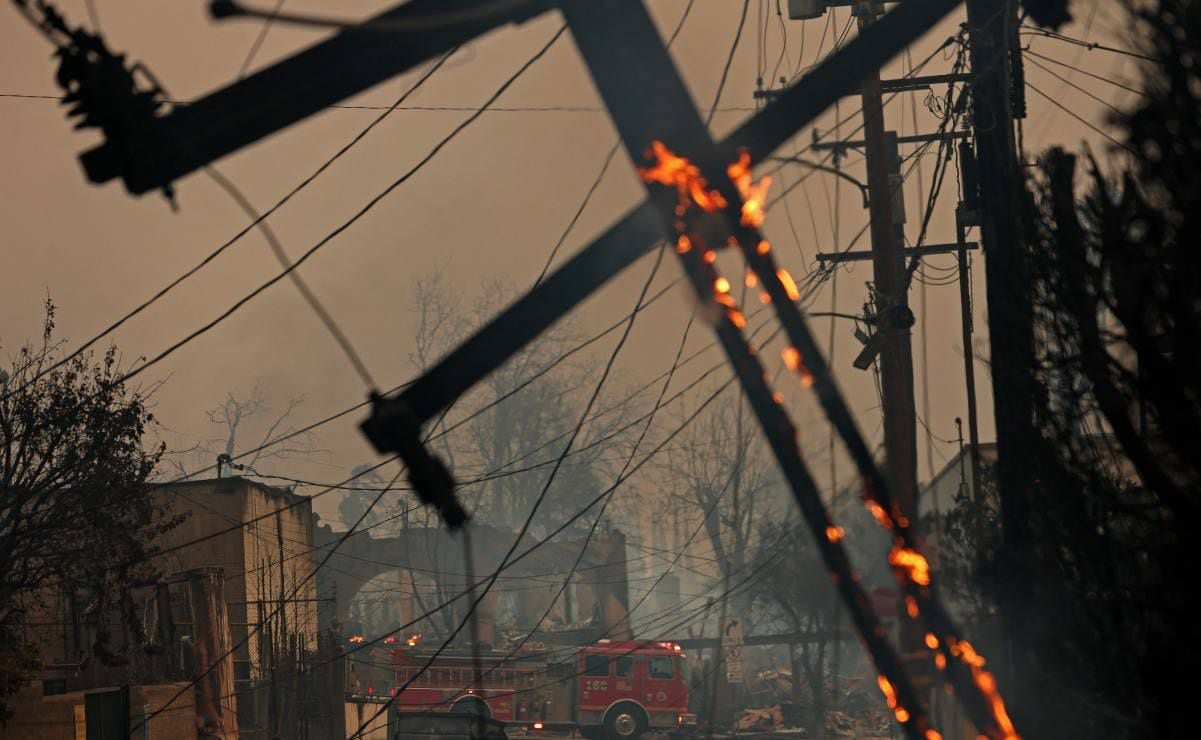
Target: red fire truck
point(606, 690)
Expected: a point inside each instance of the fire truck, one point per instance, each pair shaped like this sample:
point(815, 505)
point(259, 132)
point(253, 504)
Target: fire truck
point(609, 689)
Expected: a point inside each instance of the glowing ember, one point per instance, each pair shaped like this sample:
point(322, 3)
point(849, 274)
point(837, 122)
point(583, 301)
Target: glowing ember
point(683, 244)
point(754, 196)
point(737, 318)
point(931, 641)
point(792, 358)
point(789, 284)
point(835, 533)
point(902, 715)
point(912, 562)
point(764, 247)
point(778, 397)
point(721, 285)
point(677, 172)
point(911, 607)
point(879, 514)
point(890, 694)
point(710, 256)
point(933, 735)
point(751, 279)
point(940, 660)
point(764, 298)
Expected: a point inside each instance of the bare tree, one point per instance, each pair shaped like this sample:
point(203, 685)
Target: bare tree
point(794, 591)
point(76, 517)
point(718, 474)
point(522, 414)
point(272, 435)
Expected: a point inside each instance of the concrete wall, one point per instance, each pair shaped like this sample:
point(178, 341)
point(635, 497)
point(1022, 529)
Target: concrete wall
point(357, 714)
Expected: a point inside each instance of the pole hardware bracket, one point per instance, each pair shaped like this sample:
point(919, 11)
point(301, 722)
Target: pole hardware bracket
point(393, 427)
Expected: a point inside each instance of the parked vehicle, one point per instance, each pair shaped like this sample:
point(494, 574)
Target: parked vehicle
point(605, 690)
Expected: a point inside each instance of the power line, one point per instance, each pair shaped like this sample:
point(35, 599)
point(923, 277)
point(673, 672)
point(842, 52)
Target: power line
point(1076, 87)
point(1088, 45)
point(359, 214)
point(327, 319)
point(1086, 73)
point(595, 109)
point(470, 616)
point(260, 38)
point(1080, 118)
point(725, 72)
point(245, 230)
point(596, 181)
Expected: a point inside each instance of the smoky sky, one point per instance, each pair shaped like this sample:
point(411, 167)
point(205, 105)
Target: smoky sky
point(489, 206)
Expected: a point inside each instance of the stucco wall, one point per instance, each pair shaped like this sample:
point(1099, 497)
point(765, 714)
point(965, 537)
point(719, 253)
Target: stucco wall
point(63, 716)
point(248, 554)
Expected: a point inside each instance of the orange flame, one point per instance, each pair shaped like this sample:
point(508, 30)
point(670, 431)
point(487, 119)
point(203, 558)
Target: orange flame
point(931, 641)
point(911, 607)
point(754, 196)
point(737, 318)
point(675, 171)
point(764, 247)
point(683, 244)
point(721, 285)
point(933, 735)
point(789, 284)
point(912, 562)
point(879, 514)
point(963, 650)
point(890, 694)
point(835, 533)
point(751, 279)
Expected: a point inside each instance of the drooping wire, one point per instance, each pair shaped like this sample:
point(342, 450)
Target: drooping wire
point(205, 328)
point(306, 292)
point(162, 292)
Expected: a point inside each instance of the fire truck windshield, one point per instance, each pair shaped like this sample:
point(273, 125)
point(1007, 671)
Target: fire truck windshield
point(660, 667)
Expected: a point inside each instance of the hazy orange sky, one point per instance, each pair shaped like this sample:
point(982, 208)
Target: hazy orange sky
point(490, 205)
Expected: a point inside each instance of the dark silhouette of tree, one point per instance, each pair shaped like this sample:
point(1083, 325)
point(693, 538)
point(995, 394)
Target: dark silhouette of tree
point(1106, 551)
point(75, 508)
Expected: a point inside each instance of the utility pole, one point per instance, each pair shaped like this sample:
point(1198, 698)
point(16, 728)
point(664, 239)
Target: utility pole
point(892, 303)
point(962, 217)
point(892, 307)
point(991, 24)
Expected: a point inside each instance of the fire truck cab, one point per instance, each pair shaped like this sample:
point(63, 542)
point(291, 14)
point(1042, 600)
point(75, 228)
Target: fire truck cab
point(625, 688)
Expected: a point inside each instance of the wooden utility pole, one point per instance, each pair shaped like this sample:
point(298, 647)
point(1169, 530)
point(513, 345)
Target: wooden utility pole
point(1010, 317)
point(969, 360)
point(892, 302)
